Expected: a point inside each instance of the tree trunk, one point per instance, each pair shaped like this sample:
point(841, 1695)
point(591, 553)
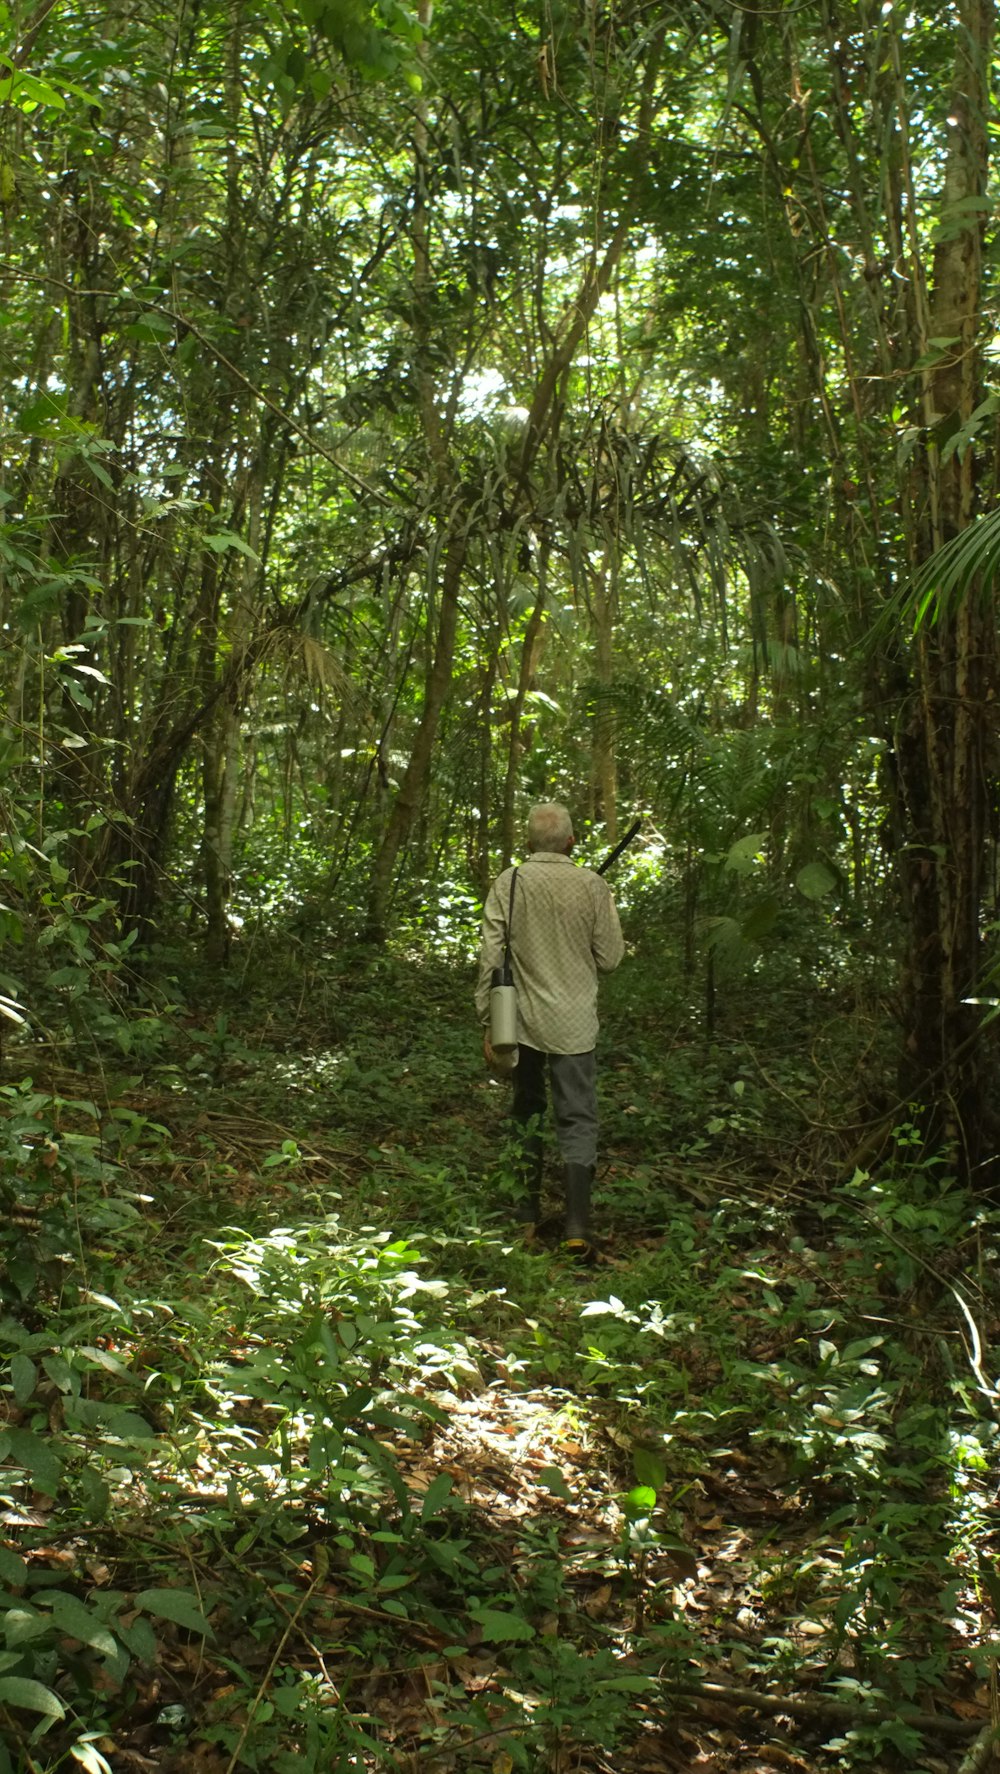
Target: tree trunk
point(223, 740)
point(530, 649)
point(414, 784)
point(605, 774)
point(942, 748)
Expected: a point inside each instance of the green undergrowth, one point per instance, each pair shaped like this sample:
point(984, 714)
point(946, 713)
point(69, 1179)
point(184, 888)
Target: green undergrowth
point(308, 1463)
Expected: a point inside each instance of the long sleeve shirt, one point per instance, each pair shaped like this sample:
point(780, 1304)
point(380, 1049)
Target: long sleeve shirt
point(564, 932)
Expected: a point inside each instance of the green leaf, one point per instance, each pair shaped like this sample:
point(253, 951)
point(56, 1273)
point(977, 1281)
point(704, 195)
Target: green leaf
point(150, 328)
point(140, 1639)
point(760, 919)
point(27, 91)
point(48, 416)
point(500, 1628)
point(73, 1617)
point(115, 1419)
point(745, 854)
point(815, 881)
point(24, 1377)
point(13, 1569)
point(101, 475)
point(35, 1455)
point(219, 540)
point(177, 1605)
point(18, 1690)
point(436, 1495)
point(553, 1480)
point(21, 1625)
point(650, 1468)
point(287, 1700)
point(640, 1502)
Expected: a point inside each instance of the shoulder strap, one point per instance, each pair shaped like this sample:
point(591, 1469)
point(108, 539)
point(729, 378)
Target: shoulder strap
point(510, 920)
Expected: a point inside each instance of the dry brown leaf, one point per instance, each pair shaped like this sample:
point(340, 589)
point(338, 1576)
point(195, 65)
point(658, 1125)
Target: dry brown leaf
point(967, 1709)
point(597, 1603)
point(54, 1555)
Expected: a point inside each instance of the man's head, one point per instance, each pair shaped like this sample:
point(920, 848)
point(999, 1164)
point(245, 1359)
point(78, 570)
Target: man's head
point(550, 828)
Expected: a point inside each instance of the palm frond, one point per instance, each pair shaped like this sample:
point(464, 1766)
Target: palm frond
point(943, 581)
point(937, 589)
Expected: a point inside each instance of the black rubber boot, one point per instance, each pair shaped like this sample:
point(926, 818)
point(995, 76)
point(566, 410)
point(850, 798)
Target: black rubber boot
point(579, 1182)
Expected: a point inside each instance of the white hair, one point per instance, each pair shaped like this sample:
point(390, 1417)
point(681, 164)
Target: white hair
point(549, 827)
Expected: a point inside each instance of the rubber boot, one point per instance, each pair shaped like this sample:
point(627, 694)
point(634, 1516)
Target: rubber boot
point(530, 1166)
point(579, 1182)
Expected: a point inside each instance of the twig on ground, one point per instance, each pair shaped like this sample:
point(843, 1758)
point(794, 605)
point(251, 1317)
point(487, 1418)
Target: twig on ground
point(816, 1708)
point(272, 1666)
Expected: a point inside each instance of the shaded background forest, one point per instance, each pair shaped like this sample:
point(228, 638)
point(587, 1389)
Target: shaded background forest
point(407, 418)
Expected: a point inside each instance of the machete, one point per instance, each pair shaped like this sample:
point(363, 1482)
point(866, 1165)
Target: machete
point(613, 855)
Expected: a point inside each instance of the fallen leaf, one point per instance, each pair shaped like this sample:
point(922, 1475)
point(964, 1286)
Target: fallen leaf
point(967, 1709)
point(597, 1603)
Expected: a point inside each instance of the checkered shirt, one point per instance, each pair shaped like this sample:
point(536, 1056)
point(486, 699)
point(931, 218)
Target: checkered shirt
point(565, 931)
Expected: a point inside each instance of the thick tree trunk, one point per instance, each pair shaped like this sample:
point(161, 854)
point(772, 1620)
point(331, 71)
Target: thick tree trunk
point(413, 787)
point(942, 747)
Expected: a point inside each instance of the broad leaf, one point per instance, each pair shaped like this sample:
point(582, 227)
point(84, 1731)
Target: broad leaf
point(501, 1628)
point(19, 1690)
point(436, 1495)
point(177, 1605)
point(815, 881)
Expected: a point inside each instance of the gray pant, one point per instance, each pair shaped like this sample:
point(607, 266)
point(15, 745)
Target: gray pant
point(573, 1078)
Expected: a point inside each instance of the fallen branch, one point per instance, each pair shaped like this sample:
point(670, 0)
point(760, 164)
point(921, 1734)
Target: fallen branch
point(833, 1712)
point(984, 1752)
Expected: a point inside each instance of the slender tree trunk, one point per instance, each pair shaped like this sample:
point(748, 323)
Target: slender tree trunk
point(531, 647)
point(605, 775)
point(224, 743)
point(484, 816)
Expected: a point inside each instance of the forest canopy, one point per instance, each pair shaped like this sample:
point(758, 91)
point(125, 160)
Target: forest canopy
point(407, 417)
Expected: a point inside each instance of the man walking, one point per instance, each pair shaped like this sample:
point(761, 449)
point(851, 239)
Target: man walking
point(564, 931)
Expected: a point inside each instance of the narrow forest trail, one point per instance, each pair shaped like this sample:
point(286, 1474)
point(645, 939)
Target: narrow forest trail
point(420, 1496)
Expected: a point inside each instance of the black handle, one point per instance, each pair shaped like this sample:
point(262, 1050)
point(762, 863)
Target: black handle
point(613, 856)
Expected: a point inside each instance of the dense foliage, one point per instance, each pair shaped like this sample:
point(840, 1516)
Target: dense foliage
point(408, 415)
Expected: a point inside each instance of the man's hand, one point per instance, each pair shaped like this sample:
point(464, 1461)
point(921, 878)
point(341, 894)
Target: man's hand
point(487, 1047)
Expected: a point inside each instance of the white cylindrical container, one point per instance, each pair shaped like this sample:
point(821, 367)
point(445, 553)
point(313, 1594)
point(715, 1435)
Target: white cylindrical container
point(503, 1011)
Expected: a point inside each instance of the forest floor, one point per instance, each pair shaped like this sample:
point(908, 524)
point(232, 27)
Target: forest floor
point(310, 1463)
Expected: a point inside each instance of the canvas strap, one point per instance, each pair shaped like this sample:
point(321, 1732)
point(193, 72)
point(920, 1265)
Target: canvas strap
point(510, 920)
